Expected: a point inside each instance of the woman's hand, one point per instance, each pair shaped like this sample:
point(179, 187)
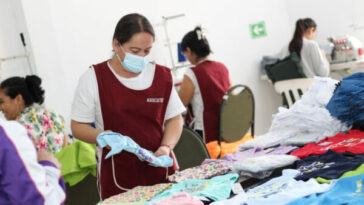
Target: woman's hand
point(162, 150)
point(43, 155)
point(323, 54)
point(108, 147)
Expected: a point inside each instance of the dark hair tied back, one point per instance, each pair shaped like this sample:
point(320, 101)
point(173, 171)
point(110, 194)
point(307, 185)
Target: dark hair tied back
point(29, 87)
point(301, 26)
point(33, 84)
point(197, 42)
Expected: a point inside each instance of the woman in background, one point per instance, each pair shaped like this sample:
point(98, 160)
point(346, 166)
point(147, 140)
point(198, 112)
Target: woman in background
point(313, 59)
point(21, 100)
point(203, 85)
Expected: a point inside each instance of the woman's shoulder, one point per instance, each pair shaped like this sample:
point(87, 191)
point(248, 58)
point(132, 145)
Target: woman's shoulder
point(307, 42)
point(158, 66)
point(163, 69)
point(39, 112)
point(219, 65)
point(88, 74)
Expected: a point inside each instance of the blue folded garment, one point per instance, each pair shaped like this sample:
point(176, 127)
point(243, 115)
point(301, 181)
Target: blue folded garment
point(347, 103)
point(119, 142)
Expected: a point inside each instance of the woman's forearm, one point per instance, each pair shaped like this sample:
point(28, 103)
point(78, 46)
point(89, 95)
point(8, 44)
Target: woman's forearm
point(172, 131)
point(84, 132)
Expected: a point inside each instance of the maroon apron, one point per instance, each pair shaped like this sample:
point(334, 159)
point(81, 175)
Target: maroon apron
point(138, 114)
point(213, 80)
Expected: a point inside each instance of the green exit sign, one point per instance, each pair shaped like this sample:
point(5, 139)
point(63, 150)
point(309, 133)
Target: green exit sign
point(258, 30)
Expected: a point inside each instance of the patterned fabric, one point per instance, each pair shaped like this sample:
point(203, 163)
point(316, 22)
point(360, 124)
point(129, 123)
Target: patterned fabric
point(216, 188)
point(181, 198)
point(204, 171)
point(140, 193)
point(45, 127)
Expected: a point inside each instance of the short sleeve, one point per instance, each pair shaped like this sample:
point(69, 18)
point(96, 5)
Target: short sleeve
point(191, 75)
point(84, 102)
point(175, 106)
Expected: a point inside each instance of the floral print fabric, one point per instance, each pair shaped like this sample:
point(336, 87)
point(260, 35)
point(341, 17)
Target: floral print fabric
point(45, 127)
point(140, 193)
point(204, 171)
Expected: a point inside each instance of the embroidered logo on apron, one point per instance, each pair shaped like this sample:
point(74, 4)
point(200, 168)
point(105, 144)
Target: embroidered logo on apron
point(155, 100)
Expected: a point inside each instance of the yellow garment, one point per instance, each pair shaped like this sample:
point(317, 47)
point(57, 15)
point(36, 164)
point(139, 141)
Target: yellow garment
point(78, 160)
point(226, 148)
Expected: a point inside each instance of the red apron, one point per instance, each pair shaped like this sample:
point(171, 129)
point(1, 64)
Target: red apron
point(138, 114)
point(213, 80)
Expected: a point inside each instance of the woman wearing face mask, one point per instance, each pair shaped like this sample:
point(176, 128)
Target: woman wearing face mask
point(21, 100)
point(203, 85)
point(129, 95)
point(313, 59)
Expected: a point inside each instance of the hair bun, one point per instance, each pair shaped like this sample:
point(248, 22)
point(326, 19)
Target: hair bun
point(199, 33)
point(33, 83)
point(198, 28)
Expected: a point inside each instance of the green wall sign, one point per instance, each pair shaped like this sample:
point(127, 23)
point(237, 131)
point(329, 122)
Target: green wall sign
point(258, 30)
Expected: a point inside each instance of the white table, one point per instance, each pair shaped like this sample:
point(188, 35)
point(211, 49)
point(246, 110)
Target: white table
point(343, 69)
point(347, 65)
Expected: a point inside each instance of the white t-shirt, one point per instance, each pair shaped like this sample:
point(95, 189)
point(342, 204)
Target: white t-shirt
point(313, 63)
point(196, 101)
point(284, 189)
point(86, 106)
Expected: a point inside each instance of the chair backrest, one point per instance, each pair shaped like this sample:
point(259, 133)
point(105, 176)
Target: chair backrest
point(190, 150)
point(236, 114)
point(292, 90)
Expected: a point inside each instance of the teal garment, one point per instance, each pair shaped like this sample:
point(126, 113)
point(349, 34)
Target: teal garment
point(78, 160)
point(348, 191)
point(216, 188)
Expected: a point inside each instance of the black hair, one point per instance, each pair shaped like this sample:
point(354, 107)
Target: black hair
point(301, 26)
point(29, 87)
point(197, 42)
point(131, 24)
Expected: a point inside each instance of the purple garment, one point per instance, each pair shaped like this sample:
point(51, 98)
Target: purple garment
point(17, 184)
point(254, 152)
point(283, 150)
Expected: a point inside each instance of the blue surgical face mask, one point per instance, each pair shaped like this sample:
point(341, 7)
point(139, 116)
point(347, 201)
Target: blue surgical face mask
point(133, 63)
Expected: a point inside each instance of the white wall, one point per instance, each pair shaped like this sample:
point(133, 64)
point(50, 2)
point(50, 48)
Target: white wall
point(68, 36)
point(43, 38)
point(12, 23)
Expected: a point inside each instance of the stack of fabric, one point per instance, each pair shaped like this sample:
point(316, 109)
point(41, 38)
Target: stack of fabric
point(352, 142)
point(306, 121)
point(347, 103)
